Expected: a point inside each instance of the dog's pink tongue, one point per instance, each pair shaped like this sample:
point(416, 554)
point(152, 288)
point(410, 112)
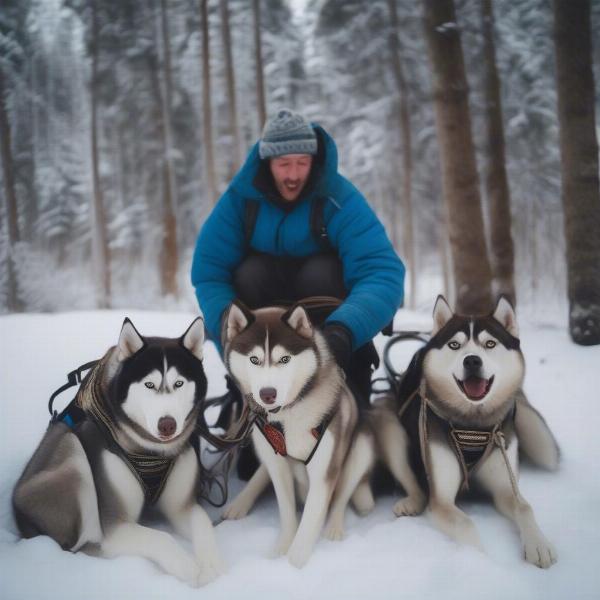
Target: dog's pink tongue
point(475, 387)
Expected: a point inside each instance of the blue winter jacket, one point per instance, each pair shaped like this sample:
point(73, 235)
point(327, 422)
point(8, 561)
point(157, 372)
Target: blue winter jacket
point(373, 273)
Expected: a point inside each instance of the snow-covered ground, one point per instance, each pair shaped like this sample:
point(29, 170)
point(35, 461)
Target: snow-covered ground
point(381, 557)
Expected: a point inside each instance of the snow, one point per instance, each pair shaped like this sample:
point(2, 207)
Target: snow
point(381, 557)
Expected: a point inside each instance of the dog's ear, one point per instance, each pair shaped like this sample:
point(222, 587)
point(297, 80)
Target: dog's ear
point(298, 320)
point(504, 313)
point(193, 338)
point(442, 313)
point(130, 341)
point(238, 318)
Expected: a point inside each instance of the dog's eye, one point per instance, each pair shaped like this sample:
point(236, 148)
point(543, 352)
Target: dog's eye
point(490, 344)
point(453, 345)
point(178, 383)
point(285, 359)
point(254, 360)
point(149, 385)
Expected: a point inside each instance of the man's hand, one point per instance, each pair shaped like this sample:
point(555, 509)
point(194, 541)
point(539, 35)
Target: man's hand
point(339, 340)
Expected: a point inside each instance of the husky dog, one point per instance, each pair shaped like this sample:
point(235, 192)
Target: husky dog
point(467, 417)
point(307, 429)
point(124, 445)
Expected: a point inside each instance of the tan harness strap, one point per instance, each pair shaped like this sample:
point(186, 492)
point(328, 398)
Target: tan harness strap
point(500, 441)
point(462, 440)
point(406, 404)
point(424, 440)
point(151, 471)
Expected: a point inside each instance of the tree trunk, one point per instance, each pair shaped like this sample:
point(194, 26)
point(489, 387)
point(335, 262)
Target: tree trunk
point(404, 119)
point(236, 158)
point(169, 256)
point(260, 85)
point(498, 195)
point(13, 301)
point(579, 166)
point(209, 163)
point(100, 250)
point(471, 268)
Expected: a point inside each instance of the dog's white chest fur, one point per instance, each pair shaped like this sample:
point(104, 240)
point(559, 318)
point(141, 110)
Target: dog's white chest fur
point(298, 426)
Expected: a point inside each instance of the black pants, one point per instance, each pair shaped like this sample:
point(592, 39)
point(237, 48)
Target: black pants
point(264, 280)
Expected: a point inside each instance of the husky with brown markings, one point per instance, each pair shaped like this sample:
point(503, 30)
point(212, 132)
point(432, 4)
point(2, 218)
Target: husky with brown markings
point(120, 448)
point(467, 415)
point(307, 434)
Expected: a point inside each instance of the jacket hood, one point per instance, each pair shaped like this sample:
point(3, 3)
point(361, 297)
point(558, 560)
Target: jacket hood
point(244, 182)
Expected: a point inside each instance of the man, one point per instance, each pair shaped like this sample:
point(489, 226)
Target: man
point(290, 226)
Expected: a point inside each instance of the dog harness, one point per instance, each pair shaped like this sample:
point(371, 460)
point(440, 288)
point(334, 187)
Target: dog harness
point(150, 470)
point(471, 446)
point(274, 434)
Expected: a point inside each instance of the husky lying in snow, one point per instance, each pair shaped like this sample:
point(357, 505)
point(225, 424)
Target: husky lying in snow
point(308, 429)
point(466, 418)
point(89, 481)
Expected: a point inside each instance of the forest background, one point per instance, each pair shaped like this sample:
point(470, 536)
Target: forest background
point(121, 123)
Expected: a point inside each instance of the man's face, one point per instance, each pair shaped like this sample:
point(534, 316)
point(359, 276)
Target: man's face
point(290, 173)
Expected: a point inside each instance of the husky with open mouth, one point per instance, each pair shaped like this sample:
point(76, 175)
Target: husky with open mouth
point(123, 446)
point(467, 415)
point(307, 432)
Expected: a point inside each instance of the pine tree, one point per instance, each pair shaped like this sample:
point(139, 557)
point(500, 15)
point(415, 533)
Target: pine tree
point(13, 301)
point(207, 106)
point(496, 180)
point(407, 161)
point(100, 250)
point(579, 166)
point(234, 130)
point(471, 268)
point(261, 104)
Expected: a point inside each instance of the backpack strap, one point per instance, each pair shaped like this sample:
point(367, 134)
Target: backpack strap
point(317, 224)
point(250, 215)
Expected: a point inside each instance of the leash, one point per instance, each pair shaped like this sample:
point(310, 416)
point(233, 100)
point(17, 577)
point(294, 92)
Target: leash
point(217, 475)
point(395, 377)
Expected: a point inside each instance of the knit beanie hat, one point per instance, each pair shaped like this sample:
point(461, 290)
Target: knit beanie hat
point(287, 133)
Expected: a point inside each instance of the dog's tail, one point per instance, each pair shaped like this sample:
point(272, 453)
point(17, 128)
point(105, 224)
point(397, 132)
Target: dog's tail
point(536, 441)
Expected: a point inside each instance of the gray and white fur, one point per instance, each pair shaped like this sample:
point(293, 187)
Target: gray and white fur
point(78, 488)
point(472, 372)
point(280, 361)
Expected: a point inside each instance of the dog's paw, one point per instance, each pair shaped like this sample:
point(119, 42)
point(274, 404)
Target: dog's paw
point(363, 500)
point(334, 530)
point(298, 557)
point(363, 504)
point(209, 573)
point(409, 506)
point(189, 572)
point(210, 568)
point(235, 510)
point(540, 552)
point(281, 546)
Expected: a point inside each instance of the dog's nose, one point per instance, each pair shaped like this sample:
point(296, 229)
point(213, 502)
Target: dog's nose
point(167, 426)
point(472, 362)
point(268, 395)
